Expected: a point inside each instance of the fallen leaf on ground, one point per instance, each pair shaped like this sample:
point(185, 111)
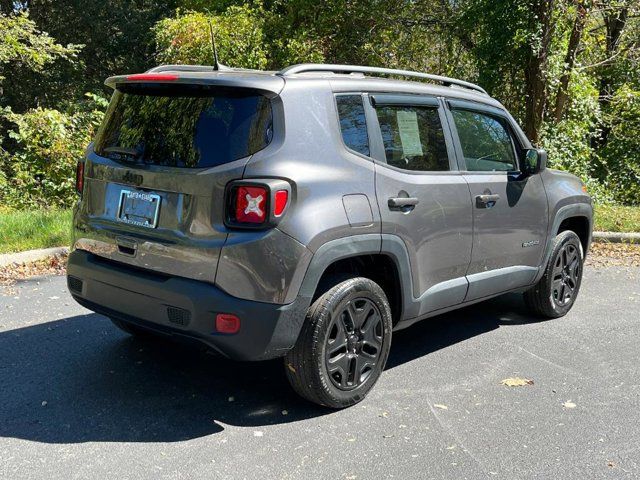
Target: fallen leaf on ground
point(569, 404)
point(441, 407)
point(516, 382)
point(11, 273)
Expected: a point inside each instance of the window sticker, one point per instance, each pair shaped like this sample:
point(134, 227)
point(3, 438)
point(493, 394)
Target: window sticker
point(409, 133)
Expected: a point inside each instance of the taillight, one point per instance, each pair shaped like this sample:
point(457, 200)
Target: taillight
point(280, 202)
point(227, 323)
point(251, 204)
point(80, 177)
point(257, 204)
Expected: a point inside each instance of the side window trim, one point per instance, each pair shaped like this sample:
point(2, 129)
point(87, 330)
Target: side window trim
point(483, 109)
point(376, 143)
point(400, 100)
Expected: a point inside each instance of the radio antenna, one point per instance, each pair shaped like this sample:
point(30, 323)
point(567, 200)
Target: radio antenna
point(214, 50)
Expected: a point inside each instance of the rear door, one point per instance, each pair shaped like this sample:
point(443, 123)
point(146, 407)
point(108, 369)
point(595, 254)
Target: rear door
point(155, 177)
point(422, 197)
point(510, 211)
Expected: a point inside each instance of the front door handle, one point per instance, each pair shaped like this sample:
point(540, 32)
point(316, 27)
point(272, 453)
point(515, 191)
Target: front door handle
point(402, 202)
point(486, 201)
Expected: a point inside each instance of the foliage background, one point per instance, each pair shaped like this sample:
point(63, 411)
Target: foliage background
point(567, 69)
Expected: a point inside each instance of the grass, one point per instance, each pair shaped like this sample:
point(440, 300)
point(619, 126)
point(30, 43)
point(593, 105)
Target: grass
point(617, 219)
point(31, 229)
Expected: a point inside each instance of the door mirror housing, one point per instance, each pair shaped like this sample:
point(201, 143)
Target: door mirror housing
point(535, 160)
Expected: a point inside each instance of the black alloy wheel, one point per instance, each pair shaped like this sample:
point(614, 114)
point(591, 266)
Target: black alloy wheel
point(344, 344)
point(354, 343)
point(566, 273)
point(557, 290)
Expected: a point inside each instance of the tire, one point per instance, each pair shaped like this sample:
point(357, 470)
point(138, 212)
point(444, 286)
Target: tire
point(557, 290)
point(131, 329)
point(343, 346)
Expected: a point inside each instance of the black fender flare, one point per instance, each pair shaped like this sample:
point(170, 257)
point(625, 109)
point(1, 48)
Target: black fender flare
point(287, 332)
point(567, 211)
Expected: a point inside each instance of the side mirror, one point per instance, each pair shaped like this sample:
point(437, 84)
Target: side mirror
point(535, 161)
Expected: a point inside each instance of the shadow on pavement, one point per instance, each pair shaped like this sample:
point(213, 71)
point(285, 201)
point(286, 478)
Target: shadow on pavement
point(80, 380)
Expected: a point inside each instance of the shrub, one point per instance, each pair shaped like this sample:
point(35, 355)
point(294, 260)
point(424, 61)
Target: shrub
point(47, 144)
point(622, 152)
point(568, 142)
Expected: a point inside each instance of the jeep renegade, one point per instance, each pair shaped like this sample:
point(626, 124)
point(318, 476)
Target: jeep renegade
point(308, 213)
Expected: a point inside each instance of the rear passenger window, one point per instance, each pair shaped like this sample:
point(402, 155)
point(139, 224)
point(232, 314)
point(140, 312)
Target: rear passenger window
point(413, 137)
point(352, 123)
point(485, 140)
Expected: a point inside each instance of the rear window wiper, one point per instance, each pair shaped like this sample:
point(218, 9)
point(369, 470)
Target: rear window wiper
point(127, 153)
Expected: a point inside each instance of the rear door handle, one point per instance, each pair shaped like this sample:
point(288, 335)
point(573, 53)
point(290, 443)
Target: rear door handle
point(486, 201)
point(400, 202)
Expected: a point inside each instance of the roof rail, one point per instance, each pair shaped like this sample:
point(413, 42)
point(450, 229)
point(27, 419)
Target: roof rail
point(319, 67)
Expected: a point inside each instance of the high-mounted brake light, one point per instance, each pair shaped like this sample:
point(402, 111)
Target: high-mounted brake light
point(152, 77)
point(80, 177)
point(251, 204)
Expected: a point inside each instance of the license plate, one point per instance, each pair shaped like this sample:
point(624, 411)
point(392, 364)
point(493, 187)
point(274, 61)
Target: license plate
point(139, 208)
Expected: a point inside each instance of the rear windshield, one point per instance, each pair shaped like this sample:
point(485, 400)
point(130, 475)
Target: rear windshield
point(183, 126)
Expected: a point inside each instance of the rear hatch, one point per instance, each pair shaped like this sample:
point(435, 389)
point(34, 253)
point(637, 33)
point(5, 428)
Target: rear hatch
point(156, 174)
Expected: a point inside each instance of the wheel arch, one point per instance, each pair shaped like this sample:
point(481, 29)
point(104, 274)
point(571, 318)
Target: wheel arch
point(575, 215)
point(580, 225)
point(368, 255)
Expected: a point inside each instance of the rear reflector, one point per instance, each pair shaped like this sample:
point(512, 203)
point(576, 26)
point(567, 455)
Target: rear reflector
point(152, 77)
point(280, 202)
point(80, 177)
point(251, 204)
point(227, 323)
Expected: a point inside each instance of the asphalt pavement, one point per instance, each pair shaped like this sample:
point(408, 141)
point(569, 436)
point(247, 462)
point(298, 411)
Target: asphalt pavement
point(80, 399)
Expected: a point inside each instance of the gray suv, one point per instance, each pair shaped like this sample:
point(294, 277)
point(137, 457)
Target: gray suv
point(308, 213)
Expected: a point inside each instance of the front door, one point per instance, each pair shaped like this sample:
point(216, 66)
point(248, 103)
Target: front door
point(423, 198)
point(510, 212)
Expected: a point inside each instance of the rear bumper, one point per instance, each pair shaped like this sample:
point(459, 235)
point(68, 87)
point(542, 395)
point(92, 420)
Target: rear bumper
point(183, 307)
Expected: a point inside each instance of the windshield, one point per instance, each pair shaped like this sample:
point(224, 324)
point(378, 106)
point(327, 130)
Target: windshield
point(190, 126)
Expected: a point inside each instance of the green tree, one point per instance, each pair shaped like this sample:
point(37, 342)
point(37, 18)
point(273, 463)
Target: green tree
point(117, 38)
point(238, 31)
point(22, 45)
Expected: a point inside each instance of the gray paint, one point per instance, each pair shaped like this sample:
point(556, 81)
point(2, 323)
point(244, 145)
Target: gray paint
point(358, 210)
point(271, 271)
point(448, 252)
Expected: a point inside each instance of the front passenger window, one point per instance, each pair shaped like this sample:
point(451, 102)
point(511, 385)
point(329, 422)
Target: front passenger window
point(486, 143)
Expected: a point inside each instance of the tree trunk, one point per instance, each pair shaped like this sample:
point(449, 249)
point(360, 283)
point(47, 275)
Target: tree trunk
point(570, 58)
point(615, 21)
point(535, 70)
